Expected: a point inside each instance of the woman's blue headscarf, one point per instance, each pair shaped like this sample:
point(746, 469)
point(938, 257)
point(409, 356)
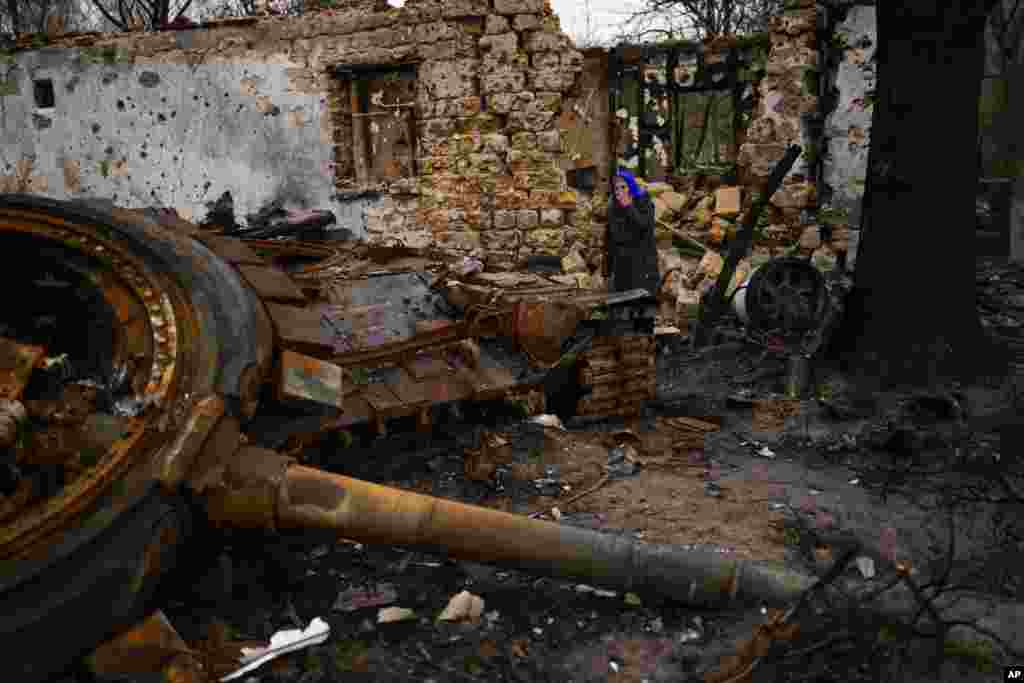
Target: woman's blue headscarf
point(635, 191)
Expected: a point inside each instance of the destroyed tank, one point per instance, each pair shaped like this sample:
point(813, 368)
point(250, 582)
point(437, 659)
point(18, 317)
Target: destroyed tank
point(137, 351)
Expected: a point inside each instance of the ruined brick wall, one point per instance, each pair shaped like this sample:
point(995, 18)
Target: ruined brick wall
point(781, 84)
point(469, 149)
point(788, 112)
point(482, 172)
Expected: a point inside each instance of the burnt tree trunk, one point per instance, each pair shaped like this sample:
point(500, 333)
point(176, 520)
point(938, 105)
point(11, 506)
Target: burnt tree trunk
point(912, 316)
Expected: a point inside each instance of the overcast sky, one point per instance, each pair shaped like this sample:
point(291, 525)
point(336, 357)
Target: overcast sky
point(607, 16)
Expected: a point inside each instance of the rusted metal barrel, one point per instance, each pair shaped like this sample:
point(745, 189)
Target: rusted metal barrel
point(264, 489)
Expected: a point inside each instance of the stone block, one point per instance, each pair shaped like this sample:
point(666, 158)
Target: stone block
point(501, 102)
point(442, 80)
point(496, 23)
point(760, 159)
point(416, 238)
point(519, 6)
point(526, 22)
point(458, 240)
point(501, 261)
point(503, 79)
point(501, 240)
point(496, 142)
point(546, 60)
point(453, 9)
point(553, 79)
point(444, 50)
point(436, 31)
point(504, 219)
point(510, 198)
point(795, 196)
point(551, 217)
point(574, 261)
point(728, 201)
point(530, 118)
point(437, 129)
point(810, 239)
point(544, 41)
point(550, 140)
point(551, 240)
point(500, 43)
point(524, 141)
point(572, 59)
point(527, 218)
point(675, 201)
point(661, 210)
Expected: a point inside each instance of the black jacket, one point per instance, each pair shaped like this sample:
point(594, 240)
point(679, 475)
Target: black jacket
point(632, 251)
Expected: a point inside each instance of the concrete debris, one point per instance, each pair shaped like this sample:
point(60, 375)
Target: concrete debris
point(548, 421)
point(866, 566)
point(463, 606)
point(392, 615)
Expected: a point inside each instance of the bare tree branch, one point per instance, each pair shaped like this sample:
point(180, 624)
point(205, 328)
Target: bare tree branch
point(703, 19)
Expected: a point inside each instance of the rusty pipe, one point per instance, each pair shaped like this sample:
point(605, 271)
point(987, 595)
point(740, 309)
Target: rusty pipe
point(294, 496)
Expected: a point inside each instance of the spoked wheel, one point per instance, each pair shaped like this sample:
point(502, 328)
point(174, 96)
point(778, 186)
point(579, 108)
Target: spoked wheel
point(787, 294)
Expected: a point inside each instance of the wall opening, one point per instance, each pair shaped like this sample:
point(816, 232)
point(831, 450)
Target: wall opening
point(375, 123)
point(42, 91)
point(680, 110)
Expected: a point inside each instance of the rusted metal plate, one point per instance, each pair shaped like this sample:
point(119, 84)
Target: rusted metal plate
point(272, 284)
point(381, 398)
point(301, 329)
point(588, 376)
point(647, 384)
point(448, 388)
point(233, 250)
point(309, 379)
point(601, 364)
point(636, 343)
point(430, 326)
point(492, 382)
point(423, 366)
point(151, 647)
point(356, 409)
point(16, 364)
point(638, 360)
point(409, 391)
point(691, 424)
point(592, 406)
point(635, 397)
point(603, 392)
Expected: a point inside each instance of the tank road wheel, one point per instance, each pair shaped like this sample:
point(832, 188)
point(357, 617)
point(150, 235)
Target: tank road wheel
point(161, 328)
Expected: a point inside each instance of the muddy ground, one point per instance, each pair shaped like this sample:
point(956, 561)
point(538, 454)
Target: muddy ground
point(882, 468)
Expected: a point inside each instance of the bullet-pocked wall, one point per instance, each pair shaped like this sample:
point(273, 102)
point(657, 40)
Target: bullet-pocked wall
point(77, 122)
point(319, 111)
point(466, 124)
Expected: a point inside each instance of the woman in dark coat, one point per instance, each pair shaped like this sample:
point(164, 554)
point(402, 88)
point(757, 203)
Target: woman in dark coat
point(632, 251)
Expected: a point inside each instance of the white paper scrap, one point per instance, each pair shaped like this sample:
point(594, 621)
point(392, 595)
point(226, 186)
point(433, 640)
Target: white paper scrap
point(282, 643)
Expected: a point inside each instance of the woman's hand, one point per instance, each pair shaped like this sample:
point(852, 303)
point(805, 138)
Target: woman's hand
point(623, 197)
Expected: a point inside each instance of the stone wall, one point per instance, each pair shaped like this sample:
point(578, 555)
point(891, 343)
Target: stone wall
point(256, 107)
point(446, 123)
